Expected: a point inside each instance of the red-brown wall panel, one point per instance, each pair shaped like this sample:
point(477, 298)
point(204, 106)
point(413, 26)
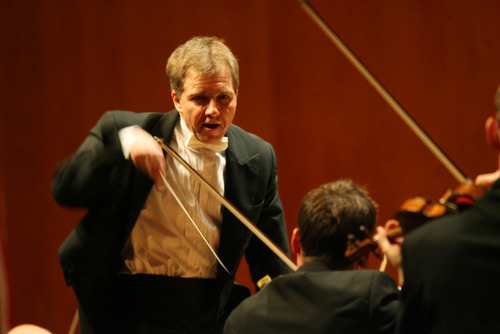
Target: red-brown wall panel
point(65, 63)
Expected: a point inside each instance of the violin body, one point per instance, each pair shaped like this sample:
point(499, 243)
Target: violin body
point(463, 196)
point(418, 211)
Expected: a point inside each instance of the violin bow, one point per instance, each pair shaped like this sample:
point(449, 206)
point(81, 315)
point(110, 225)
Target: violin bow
point(256, 231)
point(440, 155)
point(240, 216)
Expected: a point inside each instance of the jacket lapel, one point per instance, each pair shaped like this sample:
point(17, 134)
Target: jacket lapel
point(241, 169)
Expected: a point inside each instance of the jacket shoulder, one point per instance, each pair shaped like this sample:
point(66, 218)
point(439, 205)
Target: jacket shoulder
point(124, 118)
point(238, 132)
point(245, 145)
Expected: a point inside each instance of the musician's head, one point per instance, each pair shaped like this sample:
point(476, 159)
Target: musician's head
point(492, 128)
point(204, 79)
point(327, 216)
point(201, 56)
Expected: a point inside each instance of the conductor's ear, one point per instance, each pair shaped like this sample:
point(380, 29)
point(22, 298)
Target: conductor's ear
point(176, 99)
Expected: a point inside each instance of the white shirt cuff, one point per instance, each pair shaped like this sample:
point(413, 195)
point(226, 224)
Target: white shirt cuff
point(127, 139)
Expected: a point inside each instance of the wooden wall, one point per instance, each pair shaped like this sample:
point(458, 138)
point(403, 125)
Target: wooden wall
point(64, 63)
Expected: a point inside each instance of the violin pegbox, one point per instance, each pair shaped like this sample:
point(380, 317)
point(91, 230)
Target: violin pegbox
point(357, 248)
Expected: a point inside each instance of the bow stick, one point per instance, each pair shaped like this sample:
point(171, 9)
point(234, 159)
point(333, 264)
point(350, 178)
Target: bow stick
point(254, 229)
point(224, 202)
point(440, 155)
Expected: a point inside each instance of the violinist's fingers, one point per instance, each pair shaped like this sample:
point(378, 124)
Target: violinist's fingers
point(391, 250)
point(391, 223)
point(381, 238)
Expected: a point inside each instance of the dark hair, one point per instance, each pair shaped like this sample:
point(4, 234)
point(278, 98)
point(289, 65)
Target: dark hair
point(328, 214)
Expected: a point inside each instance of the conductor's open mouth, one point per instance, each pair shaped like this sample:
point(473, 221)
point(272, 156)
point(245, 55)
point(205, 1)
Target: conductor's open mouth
point(211, 126)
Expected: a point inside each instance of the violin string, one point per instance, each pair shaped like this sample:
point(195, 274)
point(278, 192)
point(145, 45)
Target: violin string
point(165, 182)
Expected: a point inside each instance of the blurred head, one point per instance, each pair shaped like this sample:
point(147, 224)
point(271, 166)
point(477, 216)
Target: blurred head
point(327, 215)
point(493, 138)
point(28, 329)
point(492, 126)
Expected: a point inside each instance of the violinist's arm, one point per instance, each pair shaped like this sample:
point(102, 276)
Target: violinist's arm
point(487, 179)
point(392, 250)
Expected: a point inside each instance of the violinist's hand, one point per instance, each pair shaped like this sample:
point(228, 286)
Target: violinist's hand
point(147, 156)
point(392, 250)
point(486, 180)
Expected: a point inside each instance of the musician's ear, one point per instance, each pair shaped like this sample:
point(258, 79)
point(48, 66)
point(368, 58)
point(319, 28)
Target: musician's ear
point(492, 133)
point(295, 241)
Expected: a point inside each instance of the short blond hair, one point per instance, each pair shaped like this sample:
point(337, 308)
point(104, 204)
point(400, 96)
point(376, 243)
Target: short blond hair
point(204, 55)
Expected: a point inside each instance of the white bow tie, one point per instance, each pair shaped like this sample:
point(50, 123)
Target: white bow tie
point(220, 145)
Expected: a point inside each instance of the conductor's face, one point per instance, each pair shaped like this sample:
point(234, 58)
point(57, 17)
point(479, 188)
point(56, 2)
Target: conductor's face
point(207, 104)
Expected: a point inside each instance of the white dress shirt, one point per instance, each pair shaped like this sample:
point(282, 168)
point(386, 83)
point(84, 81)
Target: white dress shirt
point(164, 240)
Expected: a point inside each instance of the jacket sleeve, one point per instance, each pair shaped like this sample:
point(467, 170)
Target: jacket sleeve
point(411, 313)
point(384, 303)
point(87, 176)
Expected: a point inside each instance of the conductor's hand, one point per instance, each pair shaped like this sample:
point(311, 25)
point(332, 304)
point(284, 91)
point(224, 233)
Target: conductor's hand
point(147, 156)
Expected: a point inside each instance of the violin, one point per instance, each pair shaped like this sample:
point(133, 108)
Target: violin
point(415, 212)
point(418, 210)
point(358, 248)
